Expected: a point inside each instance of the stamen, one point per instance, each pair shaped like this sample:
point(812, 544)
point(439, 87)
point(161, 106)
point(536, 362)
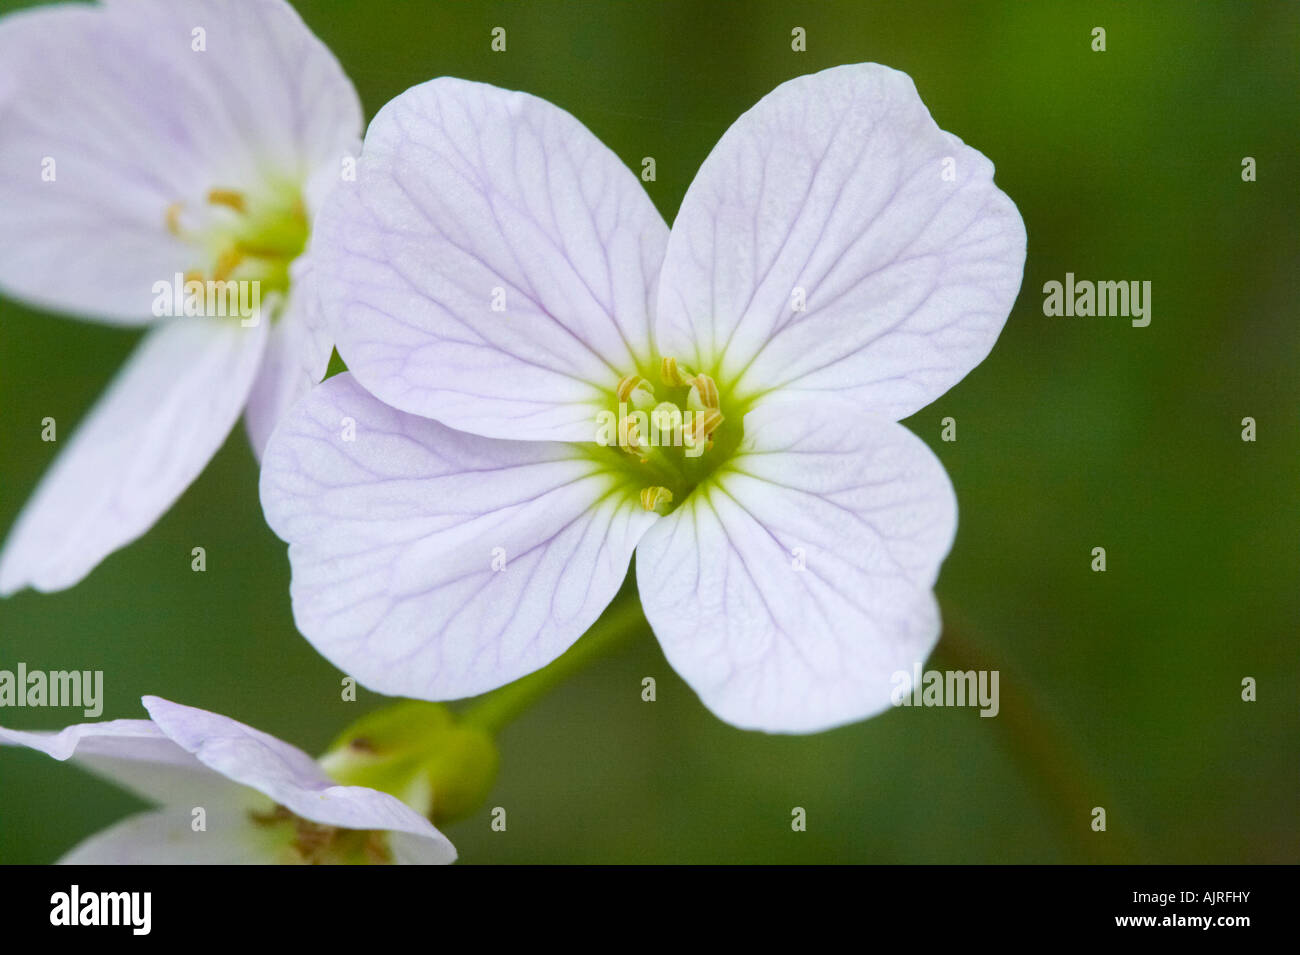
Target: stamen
point(655, 496)
point(377, 850)
point(227, 262)
point(670, 373)
point(629, 435)
point(312, 839)
point(276, 814)
point(626, 384)
point(704, 393)
point(228, 198)
point(173, 217)
point(636, 390)
point(706, 422)
point(316, 843)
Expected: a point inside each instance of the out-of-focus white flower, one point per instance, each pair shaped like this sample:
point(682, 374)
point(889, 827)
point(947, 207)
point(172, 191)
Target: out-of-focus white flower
point(146, 145)
point(261, 800)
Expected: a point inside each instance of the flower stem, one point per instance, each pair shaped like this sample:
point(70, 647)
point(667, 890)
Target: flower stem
point(620, 622)
point(1044, 753)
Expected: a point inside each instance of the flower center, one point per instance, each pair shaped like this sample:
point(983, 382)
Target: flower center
point(311, 843)
point(667, 437)
point(243, 237)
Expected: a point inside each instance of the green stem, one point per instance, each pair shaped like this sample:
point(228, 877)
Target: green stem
point(1044, 753)
point(621, 621)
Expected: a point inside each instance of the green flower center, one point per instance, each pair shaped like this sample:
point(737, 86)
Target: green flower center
point(667, 438)
point(244, 237)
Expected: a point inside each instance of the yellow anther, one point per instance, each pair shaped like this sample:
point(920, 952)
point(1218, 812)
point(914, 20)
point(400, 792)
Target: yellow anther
point(626, 385)
point(704, 393)
point(635, 390)
point(706, 422)
point(629, 434)
point(670, 373)
point(653, 497)
point(227, 262)
point(173, 217)
point(228, 198)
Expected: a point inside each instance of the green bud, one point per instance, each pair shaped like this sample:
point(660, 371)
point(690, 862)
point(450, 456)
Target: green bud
point(419, 753)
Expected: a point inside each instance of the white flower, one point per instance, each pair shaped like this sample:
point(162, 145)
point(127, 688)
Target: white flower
point(838, 263)
point(142, 141)
point(262, 800)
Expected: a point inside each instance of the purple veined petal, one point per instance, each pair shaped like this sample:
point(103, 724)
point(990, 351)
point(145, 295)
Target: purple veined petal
point(297, 356)
point(135, 755)
point(435, 564)
point(493, 266)
point(294, 780)
point(156, 427)
point(116, 103)
point(789, 589)
point(837, 241)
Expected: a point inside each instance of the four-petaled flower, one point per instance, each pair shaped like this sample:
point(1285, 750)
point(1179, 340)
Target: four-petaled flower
point(261, 800)
point(459, 509)
point(156, 154)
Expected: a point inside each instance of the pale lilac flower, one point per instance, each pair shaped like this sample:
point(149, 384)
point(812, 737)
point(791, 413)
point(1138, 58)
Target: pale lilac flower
point(262, 800)
point(838, 263)
point(142, 141)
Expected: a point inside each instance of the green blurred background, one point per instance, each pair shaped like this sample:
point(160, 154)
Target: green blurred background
point(1119, 689)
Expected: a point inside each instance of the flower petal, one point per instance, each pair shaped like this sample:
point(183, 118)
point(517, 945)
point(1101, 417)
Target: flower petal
point(788, 590)
point(136, 118)
point(167, 837)
point(297, 357)
point(394, 536)
point(467, 194)
point(294, 780)
point(833, 187)
point(134, 754)
point(151, 433)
